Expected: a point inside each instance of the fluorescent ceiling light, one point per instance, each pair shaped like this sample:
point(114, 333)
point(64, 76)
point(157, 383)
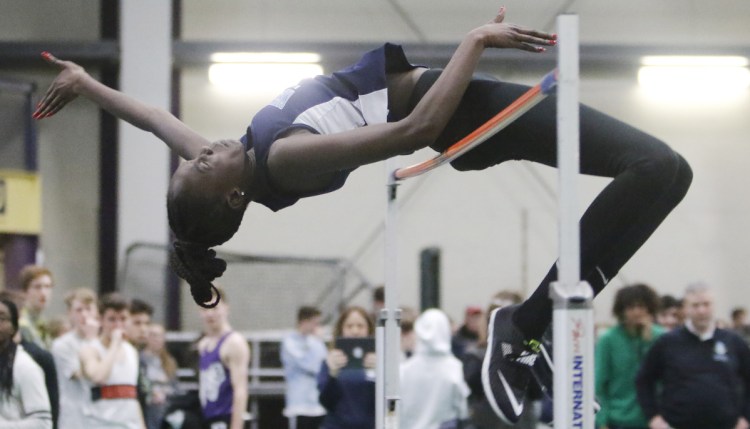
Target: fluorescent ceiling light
point(265, 57)
point(699, 79)
point(260, 78)
point(695, 61)
point(691, 78)
point(261, 73)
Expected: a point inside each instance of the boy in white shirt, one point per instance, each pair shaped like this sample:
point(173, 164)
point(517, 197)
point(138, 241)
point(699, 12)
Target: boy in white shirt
point(75, 395)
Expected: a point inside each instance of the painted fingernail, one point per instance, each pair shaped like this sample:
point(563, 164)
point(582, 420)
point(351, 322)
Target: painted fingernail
point(554, 36)
point(553, 42)
point(46, 54)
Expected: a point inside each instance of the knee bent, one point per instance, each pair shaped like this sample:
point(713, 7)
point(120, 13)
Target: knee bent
point(667, 170)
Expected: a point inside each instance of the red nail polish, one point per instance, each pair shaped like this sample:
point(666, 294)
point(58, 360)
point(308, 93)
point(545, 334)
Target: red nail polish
point(46, 54)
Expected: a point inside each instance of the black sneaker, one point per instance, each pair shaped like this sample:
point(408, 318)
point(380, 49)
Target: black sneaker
point(506, 370)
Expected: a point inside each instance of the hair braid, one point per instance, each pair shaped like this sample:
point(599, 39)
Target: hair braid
point(198, 265)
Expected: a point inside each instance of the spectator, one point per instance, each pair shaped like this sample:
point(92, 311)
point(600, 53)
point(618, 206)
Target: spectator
point(75, 392)
point(36, 282)
point(481, 415)
point(619, 353)
point(224, 359)
point(302, 354)
point(433, 390)
point(141, 313)
point(137, 333)
point(348, 394)
point(378, 303)
point(110, 364)
point(670, 312)
point(408, 338)
point(42, 357)
point(702, 372)
point(160, 369)
point(467, 334)
point(57, 326)
point(24, 402)
point(739, 323)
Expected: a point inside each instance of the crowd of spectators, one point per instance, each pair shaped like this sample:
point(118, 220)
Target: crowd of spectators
point(667, 363)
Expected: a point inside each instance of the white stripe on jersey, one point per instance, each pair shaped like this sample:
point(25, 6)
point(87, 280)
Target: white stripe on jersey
point(339, 114)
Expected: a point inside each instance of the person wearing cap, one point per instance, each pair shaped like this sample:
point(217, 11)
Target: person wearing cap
point(433, 391)
point(468, 334)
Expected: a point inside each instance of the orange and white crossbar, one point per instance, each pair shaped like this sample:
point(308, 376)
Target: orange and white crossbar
point(515, 110)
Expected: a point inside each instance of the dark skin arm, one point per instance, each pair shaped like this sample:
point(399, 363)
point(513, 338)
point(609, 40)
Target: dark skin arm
point(74, 81)
point(298, 157)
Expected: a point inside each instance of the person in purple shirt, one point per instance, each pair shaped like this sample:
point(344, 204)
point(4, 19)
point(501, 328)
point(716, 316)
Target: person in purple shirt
point(224, 359)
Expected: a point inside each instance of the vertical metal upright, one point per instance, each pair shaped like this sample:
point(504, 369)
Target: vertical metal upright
point(573, 327)
point(388, 331)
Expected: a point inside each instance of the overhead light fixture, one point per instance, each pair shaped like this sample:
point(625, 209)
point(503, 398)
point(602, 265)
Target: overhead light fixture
point(694, 79)
point(262, 73)
point(265, 57)
point(695, 61)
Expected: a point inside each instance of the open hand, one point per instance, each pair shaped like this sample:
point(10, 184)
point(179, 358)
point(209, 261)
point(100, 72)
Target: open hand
point(499, 34)
point(63, 89)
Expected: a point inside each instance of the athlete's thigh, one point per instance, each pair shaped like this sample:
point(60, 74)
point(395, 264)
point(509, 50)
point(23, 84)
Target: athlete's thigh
point(607, 145)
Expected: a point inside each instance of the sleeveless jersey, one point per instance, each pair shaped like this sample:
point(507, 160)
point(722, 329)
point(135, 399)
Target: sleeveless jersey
point(215, 386)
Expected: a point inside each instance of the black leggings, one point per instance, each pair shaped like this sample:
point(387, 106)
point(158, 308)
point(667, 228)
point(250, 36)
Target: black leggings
point(650, 179)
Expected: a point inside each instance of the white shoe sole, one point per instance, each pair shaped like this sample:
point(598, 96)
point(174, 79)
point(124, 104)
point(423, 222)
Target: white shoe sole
point(486, 373)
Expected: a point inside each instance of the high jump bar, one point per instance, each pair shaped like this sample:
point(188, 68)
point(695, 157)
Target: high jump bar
point(521, 105)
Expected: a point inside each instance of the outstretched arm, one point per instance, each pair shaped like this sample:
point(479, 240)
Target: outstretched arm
point(74, 81)
point(303, 154)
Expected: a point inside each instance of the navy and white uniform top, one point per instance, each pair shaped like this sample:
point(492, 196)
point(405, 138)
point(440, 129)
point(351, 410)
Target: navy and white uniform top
point(350, 98)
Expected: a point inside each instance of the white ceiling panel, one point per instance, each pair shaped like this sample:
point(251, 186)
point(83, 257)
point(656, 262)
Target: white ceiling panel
point(691, 23)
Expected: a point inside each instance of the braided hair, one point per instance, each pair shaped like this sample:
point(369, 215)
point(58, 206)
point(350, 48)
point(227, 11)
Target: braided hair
point(198, 265)
point(200, 223)
point(8, 355)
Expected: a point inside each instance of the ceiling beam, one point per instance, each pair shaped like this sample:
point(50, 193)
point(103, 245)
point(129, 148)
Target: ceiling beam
point(194, 53)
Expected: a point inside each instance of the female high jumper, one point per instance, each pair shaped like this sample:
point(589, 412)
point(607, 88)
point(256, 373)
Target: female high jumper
point(310, 138)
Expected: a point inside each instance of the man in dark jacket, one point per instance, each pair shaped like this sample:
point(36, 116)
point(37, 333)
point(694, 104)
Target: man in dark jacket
point(704, 372)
